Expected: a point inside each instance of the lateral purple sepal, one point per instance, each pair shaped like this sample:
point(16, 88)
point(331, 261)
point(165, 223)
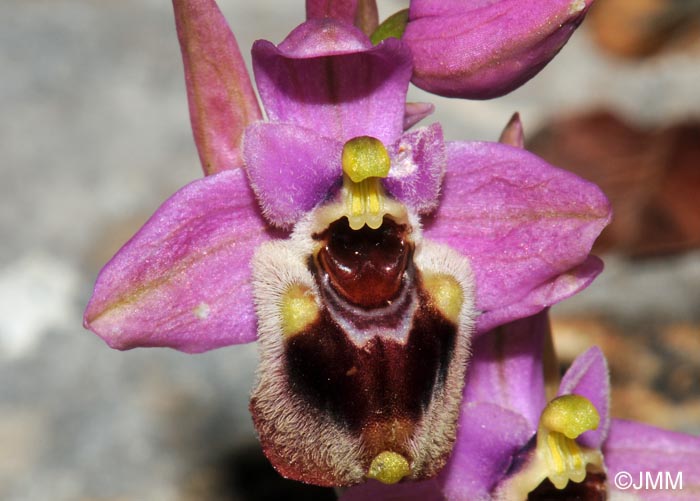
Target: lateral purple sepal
point(485, 48)
point(526, 226)
point(326, 76)
point(291, 169)
point(588, 376)
point(183, 281)
point(221, 98)
point(418, 164)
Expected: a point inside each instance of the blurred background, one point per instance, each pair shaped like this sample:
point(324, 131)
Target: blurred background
point(94, 135)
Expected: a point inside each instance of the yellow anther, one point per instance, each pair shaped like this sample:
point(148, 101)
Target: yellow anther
point(389, 467)
point(570, 415)
point(365, 161)
point(365, 157)
point(563, 420)
point(299, 310)
point(446, 293)
point(557, 456)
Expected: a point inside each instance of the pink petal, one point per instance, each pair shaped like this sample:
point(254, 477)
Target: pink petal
point(640, 449)
point(484, 48)
point(527, 227)
point(588, 376)
point(291, 169)
point(183, 280)
point(221, 97)
point(326, 76)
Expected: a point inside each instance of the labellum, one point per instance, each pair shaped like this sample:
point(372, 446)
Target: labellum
point(364, 331)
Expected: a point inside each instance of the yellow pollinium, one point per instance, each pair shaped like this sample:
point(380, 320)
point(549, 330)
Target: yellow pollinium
point(299, 310)
point(446, 293)
point(562, 421)
point(389, 467)
point(365, 161)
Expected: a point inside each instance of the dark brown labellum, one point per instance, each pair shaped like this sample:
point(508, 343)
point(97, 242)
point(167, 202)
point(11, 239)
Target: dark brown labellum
point(371, 365)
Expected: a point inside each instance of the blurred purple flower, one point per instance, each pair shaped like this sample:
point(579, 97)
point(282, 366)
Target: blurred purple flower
point(387, 245)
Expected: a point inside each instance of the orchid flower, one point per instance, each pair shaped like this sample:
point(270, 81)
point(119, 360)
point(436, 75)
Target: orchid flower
point(470, 49)
point(362, 257)
point(513, 444)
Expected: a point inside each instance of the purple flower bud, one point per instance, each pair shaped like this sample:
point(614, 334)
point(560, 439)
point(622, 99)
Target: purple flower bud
point(484, 49)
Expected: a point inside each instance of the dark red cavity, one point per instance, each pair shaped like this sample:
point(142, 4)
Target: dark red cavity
point(593, 488)
point(365, 266)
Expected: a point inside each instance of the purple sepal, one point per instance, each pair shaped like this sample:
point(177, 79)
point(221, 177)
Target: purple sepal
point(221, 98)
point(291, 169)
point(588, 376)
point(526, 226)
point(506, 368)
point(326, 76)
point(418, 164)
point(183, 281)
point(483, 49)
point(544, 295)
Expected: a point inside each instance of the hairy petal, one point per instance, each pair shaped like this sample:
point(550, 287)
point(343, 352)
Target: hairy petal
point(221, 98)
point(588, 376)
point(326, 76)
point(418, 164)
point(506, 368)
point(291, 169)
point(183, 280)
point(487, 439)
point(484, 48)
point(526, 226)
point(638, 448)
